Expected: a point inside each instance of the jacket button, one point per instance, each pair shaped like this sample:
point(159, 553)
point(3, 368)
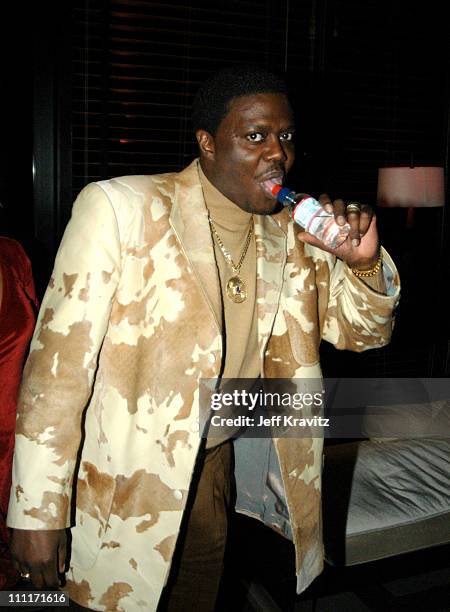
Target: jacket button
point(195, 426)
point(178, 495)
point(212, 358)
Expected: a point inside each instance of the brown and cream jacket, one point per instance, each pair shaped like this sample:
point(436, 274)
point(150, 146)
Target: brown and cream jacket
point(108, 414)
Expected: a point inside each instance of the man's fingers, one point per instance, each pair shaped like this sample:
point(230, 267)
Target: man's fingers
point(36, 578)
point(50, 576)
point(365, 218)
point(353, 213)
point(62, 554)
point(359, 217)
point(44, 576)
point(339, 211)
point(337, 207)
point(43, 552)
point(325, 201)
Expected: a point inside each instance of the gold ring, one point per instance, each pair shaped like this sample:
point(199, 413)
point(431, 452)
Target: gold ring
point(353, 207)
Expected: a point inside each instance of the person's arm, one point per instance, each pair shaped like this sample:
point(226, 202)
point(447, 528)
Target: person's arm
point(39, 555)
point(356, 311)
point(377, 282)
point(57, 384)
point(359, 316)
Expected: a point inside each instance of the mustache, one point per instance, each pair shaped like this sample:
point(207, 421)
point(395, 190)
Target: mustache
point(278, 170)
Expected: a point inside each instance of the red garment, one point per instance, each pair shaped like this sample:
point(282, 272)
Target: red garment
point(17, 319)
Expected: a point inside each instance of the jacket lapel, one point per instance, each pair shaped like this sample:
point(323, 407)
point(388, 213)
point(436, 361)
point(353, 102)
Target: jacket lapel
point(270, 262)
point(189, 220)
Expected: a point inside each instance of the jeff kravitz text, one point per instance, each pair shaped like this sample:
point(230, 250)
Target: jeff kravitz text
point(276, 420)
point(243, 409)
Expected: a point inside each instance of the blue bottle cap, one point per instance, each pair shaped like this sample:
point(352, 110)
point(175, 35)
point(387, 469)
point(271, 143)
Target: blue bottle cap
point(282, 195)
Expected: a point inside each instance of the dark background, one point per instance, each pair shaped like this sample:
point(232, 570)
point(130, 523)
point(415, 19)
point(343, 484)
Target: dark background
point(98, 88)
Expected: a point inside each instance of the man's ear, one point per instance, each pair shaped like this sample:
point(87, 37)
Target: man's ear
point(206, 143)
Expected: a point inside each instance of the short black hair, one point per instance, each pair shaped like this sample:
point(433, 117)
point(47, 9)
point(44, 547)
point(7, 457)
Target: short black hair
point(211, 103)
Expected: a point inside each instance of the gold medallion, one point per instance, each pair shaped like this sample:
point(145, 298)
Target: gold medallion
point(236, 289)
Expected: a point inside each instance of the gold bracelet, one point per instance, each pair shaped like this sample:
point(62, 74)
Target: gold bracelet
point(367, 273)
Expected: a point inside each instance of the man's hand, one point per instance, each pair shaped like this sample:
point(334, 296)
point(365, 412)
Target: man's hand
point(361, 249)
point(41, 554)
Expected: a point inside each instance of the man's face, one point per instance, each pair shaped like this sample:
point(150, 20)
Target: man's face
point(253, 144)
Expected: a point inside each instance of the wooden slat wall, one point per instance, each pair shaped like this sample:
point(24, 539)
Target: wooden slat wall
point(137, 65)
point(368, 77)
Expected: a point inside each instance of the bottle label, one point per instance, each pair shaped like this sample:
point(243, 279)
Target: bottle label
point(306, 210)
point(309, 214)
point(317, 221)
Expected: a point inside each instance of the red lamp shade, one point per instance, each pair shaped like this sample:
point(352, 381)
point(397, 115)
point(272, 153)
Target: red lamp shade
point(417, 187)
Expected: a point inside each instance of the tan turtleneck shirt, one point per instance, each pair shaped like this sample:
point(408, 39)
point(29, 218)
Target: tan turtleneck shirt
point(239, 321)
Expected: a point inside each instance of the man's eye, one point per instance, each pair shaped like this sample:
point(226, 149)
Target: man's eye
point(255, 137)
point(287, 136)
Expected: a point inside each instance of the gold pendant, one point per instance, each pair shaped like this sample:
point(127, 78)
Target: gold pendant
point(236, 289)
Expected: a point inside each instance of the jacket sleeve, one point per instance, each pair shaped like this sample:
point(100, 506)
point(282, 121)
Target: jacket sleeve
point(59, 372)
point(353, 315)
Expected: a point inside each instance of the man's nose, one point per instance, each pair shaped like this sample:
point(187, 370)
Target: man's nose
point(275, 149)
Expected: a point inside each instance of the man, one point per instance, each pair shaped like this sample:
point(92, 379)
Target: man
point(161, 281)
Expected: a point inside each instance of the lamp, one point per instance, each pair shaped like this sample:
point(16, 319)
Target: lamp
point(411, 187)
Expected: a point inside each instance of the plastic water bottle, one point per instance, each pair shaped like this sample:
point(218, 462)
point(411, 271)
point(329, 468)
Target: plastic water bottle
point(308, 212)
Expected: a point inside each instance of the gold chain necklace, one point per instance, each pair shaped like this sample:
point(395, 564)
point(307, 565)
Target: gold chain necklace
point(235, 288)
